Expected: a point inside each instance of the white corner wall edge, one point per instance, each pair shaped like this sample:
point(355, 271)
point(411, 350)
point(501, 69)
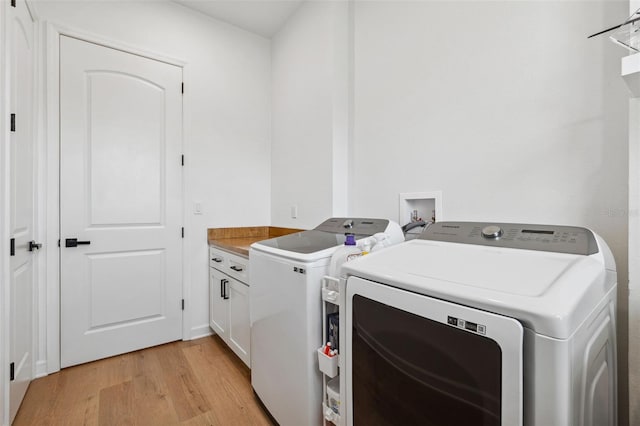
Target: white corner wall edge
point(630, 71)
point(200, 331)
point(634, 247)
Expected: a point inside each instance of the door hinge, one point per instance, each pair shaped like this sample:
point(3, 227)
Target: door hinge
point(13, 3)
point(58, 243)
point(182, 159)
point(12, 247)
point(183, 304)
point(13, 122)
point(183, 232)
point(12, 371)
point(182, 88)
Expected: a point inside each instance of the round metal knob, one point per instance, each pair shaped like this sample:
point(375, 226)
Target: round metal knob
point(491, 231)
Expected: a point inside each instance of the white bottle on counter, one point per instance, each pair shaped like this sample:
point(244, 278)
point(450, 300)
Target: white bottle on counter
point(344, 254)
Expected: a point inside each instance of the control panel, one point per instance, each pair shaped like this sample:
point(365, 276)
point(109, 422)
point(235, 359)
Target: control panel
point(357, 226)
point(559, 239)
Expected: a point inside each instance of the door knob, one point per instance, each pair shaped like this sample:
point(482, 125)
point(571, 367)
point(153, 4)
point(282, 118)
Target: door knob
point(73, 242)
point(34, 246)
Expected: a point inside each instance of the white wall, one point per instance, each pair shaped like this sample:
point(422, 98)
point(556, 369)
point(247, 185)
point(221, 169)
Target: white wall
point(310, 122)
point(506, 107)
point(226, 109)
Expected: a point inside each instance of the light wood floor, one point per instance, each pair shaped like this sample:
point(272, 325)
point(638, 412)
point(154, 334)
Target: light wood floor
point(200, 382)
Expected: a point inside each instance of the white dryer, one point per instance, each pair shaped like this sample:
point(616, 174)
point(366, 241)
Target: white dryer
point(286, 319)
point(483, 324)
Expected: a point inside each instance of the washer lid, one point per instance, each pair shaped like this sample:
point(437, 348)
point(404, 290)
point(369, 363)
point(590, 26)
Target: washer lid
point(551, 293)
point(313, 244)
point(304, 242)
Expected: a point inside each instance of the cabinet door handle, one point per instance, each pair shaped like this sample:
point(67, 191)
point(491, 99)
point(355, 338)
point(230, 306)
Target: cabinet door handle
point(237, 268)
point(217, 259)
point(226, 289)
point(222, 287)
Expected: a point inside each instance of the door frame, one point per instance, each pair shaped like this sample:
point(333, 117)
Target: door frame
point(4, 217)
point(51, 213)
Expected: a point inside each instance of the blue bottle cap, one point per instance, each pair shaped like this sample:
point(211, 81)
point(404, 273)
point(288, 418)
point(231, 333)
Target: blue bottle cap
point(351, 240)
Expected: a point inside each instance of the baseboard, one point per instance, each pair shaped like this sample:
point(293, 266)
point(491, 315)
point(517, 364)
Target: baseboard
point(41, 369)
point(196, 333)
point(200, 331)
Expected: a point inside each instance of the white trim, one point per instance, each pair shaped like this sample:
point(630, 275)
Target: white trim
point(51, 211)
point(61, 29)
point(41, 369)
point(4, 218)
point(37, 199)
point(52, 137)
point(351, 164)
point(186, 217)
point(200, 331)
point(340, 109)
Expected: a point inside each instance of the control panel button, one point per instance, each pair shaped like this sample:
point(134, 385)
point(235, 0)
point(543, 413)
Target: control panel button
point(348, 224)
point(491, 231)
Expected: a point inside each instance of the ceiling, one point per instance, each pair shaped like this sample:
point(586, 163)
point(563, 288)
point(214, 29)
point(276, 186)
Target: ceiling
point(263, 17)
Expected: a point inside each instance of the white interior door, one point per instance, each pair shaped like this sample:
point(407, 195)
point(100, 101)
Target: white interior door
point(21, 203)
point(120, 198)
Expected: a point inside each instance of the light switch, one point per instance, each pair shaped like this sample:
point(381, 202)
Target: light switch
point(197, 207)
point(294, 211)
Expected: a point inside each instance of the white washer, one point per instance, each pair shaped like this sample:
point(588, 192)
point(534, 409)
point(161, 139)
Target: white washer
point(285, 311)
point(485, 324)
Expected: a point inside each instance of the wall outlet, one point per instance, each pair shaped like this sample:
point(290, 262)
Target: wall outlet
point(294, 212)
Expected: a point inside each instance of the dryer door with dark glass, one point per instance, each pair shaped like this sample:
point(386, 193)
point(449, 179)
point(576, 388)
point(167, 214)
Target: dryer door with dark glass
point(412, 359)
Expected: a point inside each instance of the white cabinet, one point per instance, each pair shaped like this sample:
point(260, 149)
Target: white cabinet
point(238, 326)
point(218, 305)
point(229, 301)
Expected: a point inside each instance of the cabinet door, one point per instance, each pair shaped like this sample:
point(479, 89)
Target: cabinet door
point(218, 306)
point(239, 327)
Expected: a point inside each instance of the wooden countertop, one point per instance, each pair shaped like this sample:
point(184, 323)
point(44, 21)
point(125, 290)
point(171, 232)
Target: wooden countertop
point(238, 240)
